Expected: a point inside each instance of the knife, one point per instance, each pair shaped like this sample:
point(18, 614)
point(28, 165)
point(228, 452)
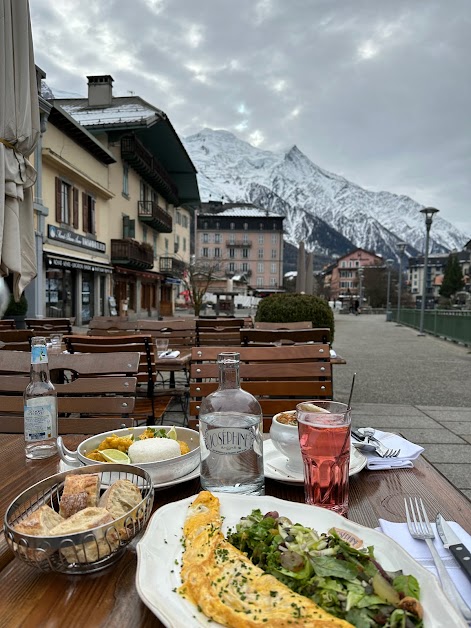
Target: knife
point(451, 541)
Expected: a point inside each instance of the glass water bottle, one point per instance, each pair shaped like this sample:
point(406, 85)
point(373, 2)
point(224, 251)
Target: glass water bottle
point(230, 439)
point(40, 405)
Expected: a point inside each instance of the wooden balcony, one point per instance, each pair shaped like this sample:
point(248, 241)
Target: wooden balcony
point(156, 217)
point(149, 167)
point(132, 254)
point(171, 266)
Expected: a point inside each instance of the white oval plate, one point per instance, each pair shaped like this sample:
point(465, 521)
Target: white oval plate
point(274, 464)
point(159, 555)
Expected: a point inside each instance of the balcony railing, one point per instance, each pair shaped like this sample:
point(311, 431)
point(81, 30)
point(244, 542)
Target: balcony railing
point(149, 167)
point(171, 265)
point(156, 217)
point(132, 254)
point(239, 244)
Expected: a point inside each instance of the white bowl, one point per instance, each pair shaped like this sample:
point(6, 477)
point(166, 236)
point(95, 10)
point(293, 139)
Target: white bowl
point(160, 471)
point(286, 440)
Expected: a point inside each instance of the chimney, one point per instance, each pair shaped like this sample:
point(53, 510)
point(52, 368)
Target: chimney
point(100, 90)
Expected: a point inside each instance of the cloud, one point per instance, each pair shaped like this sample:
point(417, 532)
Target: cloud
point(377, 91)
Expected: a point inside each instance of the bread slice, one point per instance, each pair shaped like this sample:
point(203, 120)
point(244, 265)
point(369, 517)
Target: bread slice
point(40, 522)
point(103, 543)
point(120, 498)
point(80, 491)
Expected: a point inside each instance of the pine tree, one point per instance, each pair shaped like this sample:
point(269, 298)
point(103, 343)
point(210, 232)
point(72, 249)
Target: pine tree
point(453, 278)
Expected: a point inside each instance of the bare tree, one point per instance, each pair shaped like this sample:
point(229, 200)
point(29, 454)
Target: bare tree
point(197, 278)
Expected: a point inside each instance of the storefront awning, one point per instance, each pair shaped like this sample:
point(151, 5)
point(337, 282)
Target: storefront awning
point(76, 263)
point(142, 274)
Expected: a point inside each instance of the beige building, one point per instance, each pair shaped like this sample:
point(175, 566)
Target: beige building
point(119, 188)
point(245, 242)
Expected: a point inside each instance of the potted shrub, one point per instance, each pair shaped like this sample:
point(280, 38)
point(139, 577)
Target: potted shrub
point(292, 307)
point(17, 310)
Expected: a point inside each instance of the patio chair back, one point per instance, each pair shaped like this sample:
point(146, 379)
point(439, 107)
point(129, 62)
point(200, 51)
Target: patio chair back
point(50, 325)
point(268, 337)
point(214, 332)
point(297, 325)
point(16, 339)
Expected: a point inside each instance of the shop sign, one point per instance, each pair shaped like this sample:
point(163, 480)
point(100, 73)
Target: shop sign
point(64, 235)
point(57, 262)
point(173, 280)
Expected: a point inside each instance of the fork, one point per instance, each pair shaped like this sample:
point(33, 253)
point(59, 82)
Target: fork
point(419, 528)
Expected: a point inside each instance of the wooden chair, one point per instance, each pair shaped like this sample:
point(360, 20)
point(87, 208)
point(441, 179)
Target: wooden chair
point(297, 325)
point(146, 407)
point(111, 326)
point(270, 337)
point(98, 393)
point(218, 331)
point(7, 323)
point(279, 377)
point(50, 325)
point(16, 339)
point(179, 333)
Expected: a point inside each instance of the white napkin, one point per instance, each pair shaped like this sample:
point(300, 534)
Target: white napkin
point(333, 353)
point(420, 552)
point(409, 452)
point(169, 354)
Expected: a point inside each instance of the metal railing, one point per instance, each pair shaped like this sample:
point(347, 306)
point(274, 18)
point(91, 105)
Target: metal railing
point(450, 324)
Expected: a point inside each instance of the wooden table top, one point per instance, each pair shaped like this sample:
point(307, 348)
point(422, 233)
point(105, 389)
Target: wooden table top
point(109, 598)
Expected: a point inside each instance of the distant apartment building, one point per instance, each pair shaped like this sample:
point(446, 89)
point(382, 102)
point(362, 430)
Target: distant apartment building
point(343, 278)
point(243, 242)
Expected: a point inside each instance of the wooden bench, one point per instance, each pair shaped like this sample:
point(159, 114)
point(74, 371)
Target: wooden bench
point(112, 326)
point(97, 394)
point(16, 339)
point(50, 325)
point(7, 323)
point(297, 325)
point(146, 407)
point(279, 377)
point(269, 337)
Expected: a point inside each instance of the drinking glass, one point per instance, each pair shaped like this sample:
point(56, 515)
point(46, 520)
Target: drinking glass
point(56, 344)
point(161, 346)
point(324, 438)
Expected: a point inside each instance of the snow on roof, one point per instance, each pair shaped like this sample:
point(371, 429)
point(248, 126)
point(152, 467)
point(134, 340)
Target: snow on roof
point(124, 110)
point(245, 211)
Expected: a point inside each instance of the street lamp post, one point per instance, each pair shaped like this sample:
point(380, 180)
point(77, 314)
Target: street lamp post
point(360, 296)
point(401, 247)
point(428, 212)
point(389, 263)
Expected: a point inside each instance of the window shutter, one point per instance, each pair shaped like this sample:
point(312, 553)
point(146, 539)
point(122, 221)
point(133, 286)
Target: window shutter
point(92, 216)
point(75, 197)
point(85, 226)
point(58, 200)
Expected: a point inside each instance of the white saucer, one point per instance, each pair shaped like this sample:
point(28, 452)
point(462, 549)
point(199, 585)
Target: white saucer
point(274, 464)
point(157, 486)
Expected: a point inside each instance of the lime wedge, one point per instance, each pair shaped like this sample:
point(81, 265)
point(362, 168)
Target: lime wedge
point(115, 455)
point(310, 407)
point(172, 433)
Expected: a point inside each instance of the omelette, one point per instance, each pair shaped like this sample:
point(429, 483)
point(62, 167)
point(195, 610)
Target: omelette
point(224, 584)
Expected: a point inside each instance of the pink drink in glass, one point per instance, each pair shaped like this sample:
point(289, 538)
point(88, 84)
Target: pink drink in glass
point(324, 438)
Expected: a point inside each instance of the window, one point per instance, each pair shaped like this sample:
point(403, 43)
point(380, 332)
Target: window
point(166, 246)
point(125, 180)
point(185, 221)
point(260, 267)
point(245, 267)
point(205, 251)
point(232, 239)
point(274, 253)
point(217, 252)
point(245, 253)
point(259, 281)
point(246, 226)
point(144, 234)
point(218, 225)
point(273, 268)
point(205, 224)
point(273, 281)
point(344, 264)
point(261, 253)
point(245, 239)
point(129, 227)
point(232, 225)
point(88, 214)
point(274, 226)
point(260, 238)
point(232, 253)
point(154, 244)
point(143, 191)
point(63, 202)
point(231, 267)
point(205, 237)
point(217, 238)
point(260, 226)
point(184, 244)
point(274, 238)
point(179, 218)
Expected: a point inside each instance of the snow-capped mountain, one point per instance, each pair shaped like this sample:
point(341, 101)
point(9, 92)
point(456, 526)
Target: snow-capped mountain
point(325, 210)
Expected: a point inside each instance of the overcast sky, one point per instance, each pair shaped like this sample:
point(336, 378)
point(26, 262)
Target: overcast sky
point(378, 91)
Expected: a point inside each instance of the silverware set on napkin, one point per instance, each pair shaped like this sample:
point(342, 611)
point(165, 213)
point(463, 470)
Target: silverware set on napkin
point(420, 528)
point(367, 441)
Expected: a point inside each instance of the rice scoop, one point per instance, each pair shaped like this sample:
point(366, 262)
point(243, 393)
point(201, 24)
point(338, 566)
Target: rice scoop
point(153, 450)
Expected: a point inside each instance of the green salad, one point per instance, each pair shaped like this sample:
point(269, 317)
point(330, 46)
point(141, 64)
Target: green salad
point(346, 582)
